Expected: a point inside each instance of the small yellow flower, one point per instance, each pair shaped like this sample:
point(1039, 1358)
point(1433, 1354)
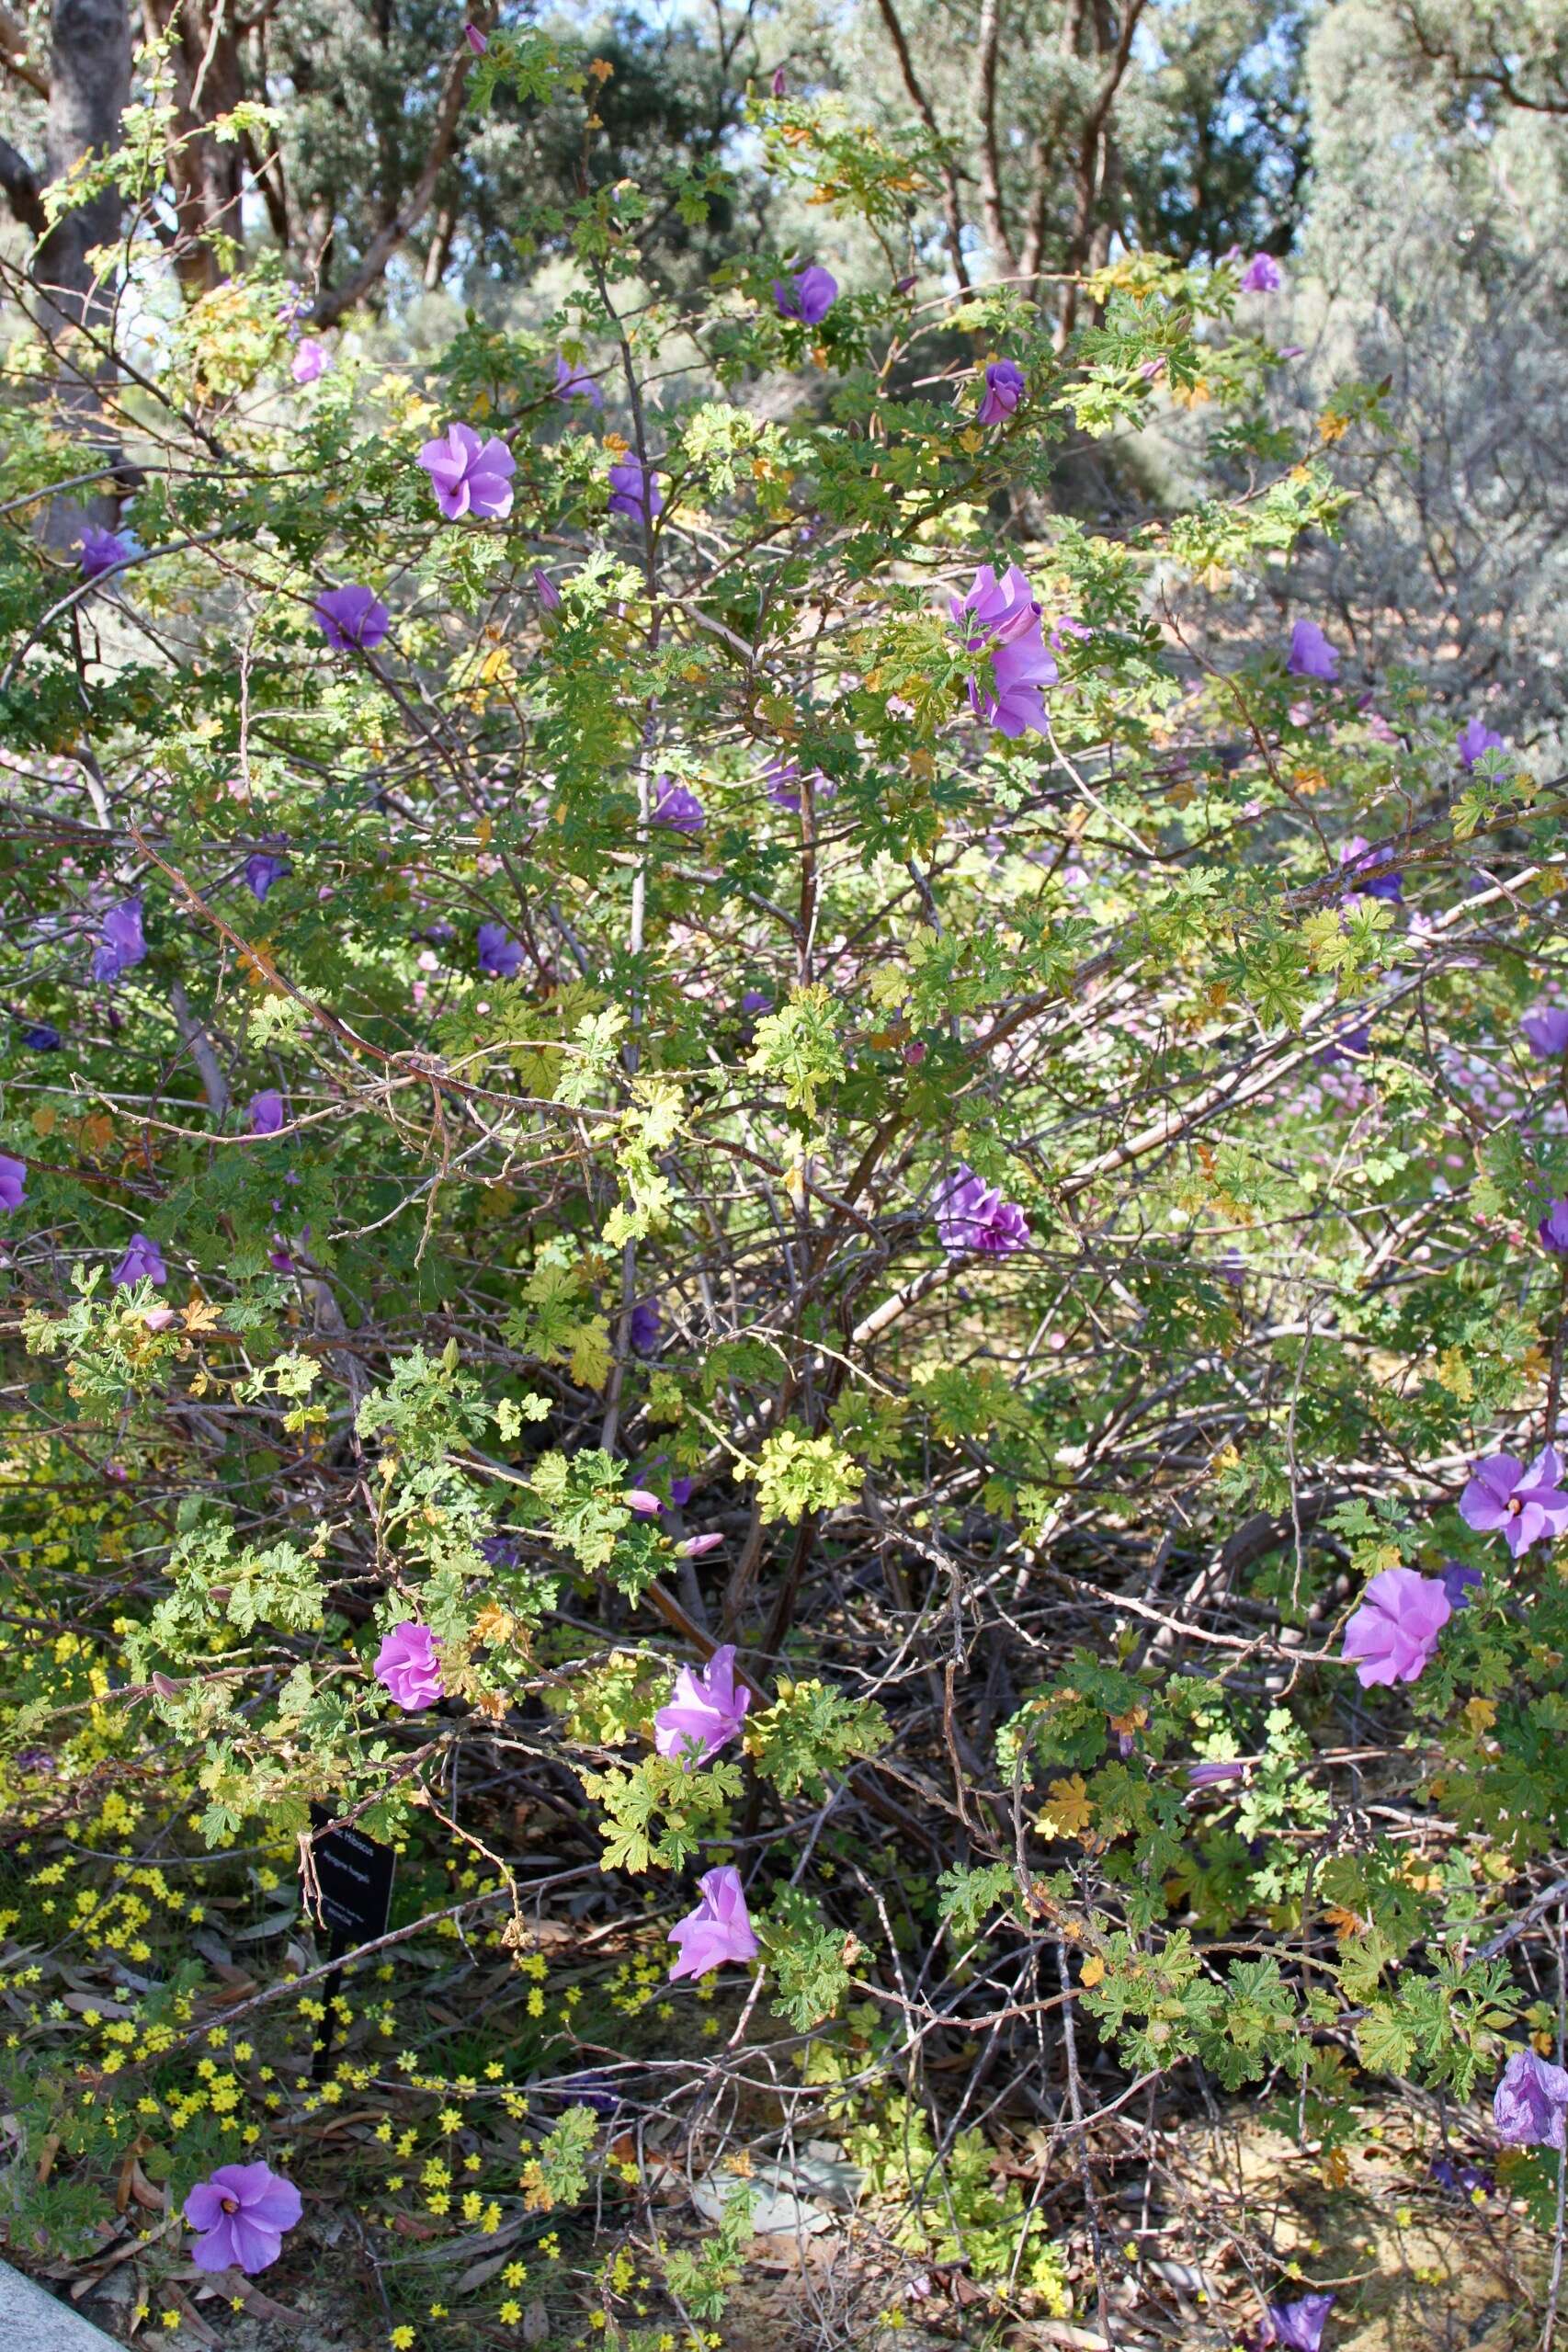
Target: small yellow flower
point(403, 2339)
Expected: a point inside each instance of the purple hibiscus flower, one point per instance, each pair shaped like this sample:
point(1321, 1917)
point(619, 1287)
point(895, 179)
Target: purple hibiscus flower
point(106, 551)
point(696, 1545)
point(1526, 1505)
point(1262, 275)
point(121, 943)
point(40, 1037)
point(1476, 739)
point(1393, 1637)
point(309, 361)
point(1214, 1775)
point(718, 1930)
point(1002, 619)
point(1298, 2326)
point(142, 1262)
point(634, 489)
point(545, 589)
point(779, 82)
point(408, 1665)
point(1546, 1033)
point(475, 39)
point(263, 867)
point(1531, 2102)
point(806, 294)
point(352, 619)
point(643, 1331)
point(241, 2213)
point(499, 954)
point(972, 1216)
point(501, 1550)
point(1310, 654)
point(1005, 387)
point(1463, 2180)
point(13, 1182)
point(704, 1712)
point(642, 1502)
point(571, 383)
point(1553, 1227)
point(1351, 1044)
point(1355, 855)
point(681, 1491)
point(267, 1113)
point(782, 778)
point(470, 476)
point(1459, 1582)
point(674, 808)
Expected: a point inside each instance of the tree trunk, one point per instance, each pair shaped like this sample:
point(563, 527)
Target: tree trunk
point(441, 252)
point(207, 175)
point(89, 88)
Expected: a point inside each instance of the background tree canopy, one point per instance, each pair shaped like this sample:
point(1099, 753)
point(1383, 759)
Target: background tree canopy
point(784, 1174)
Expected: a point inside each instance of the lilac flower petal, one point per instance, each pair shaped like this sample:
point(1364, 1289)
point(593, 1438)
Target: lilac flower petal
point(353, 619)
point(972, 1218)
point(121, 944)
point(634, 491)
point(1531, 2102)
point(1393, 1637)
point(1546, 1033)
point(718, 1930)
point(470, 476)
point(808, 294)
point(499, 954)
point(704, 1711)
point(242, 2214)
point(677, 809)
point(1001, 617)
point(572, 384)
point(106, 551)
point(1310, 654)
point(142, 1262)
point(1005, 387)
point(408, 1667)
point(1299, 2326)
point(1476, 739)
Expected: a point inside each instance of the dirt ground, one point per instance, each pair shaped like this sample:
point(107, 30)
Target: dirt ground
point(1194, 2225)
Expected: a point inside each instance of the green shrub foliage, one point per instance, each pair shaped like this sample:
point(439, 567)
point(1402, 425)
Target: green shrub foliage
point(616, 1116)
